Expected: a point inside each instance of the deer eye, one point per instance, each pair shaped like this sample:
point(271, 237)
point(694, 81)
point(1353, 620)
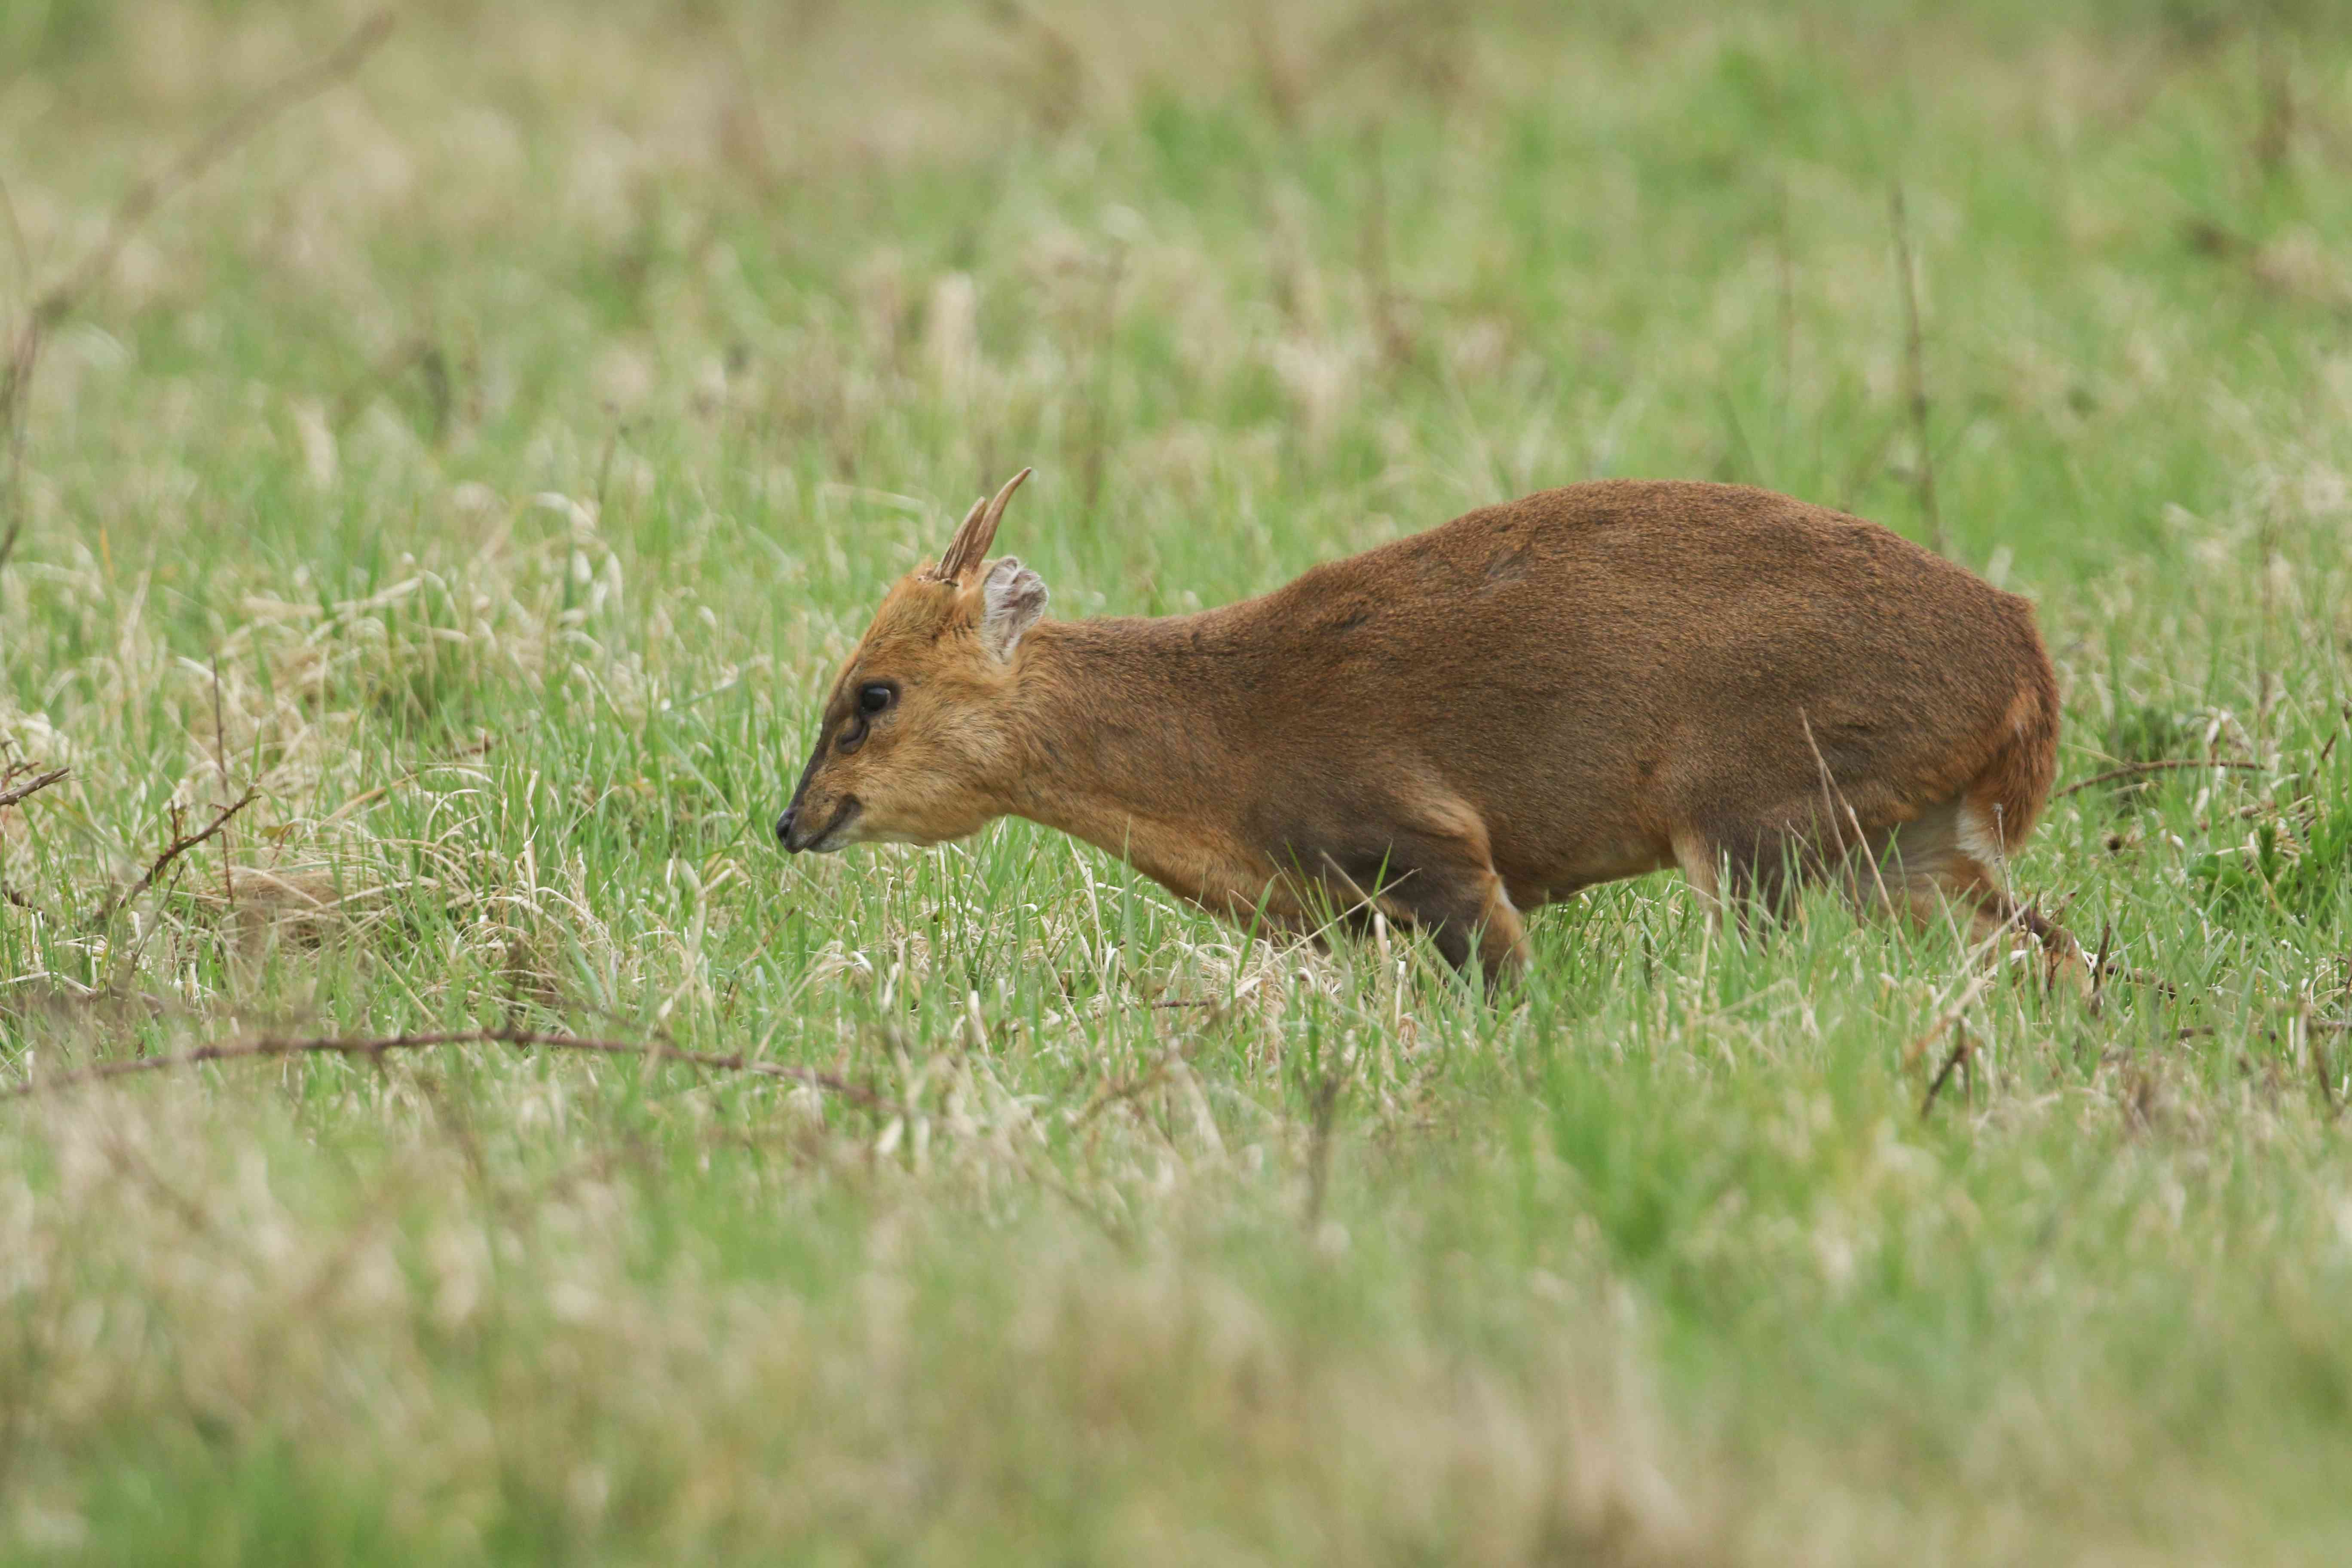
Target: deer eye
point(873, 699)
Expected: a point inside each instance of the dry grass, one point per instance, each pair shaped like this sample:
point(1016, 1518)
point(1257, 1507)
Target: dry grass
point(479, 474)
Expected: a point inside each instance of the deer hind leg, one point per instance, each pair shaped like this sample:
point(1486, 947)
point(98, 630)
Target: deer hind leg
point(1752, 875)
point(1702, 866)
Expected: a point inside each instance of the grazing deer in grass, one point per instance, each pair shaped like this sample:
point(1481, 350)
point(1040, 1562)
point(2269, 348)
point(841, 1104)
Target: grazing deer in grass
point(1590, 683)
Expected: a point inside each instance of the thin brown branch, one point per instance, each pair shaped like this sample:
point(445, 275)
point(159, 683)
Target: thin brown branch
point(1129, 1088)
point(1786, 269)
point(2147, 977)
point(2320, 1074)
point(240, 126)
point(15, 377)
point(130, 1164)
point(1951, 1015)
point(1388, 326)
point(1914, 362)
point(11, 793)
point(27, 791)
point(180, 844)
point(1097, 447)
point(12, 378)
point(2274, 134)
point(220, 760)
point(1280, 81)
point(53, 304)
point(359, 802)
point(1832, 800)
point(1057, 91)
point(2132, 770)
point(1324, 1101)
point(1959, 1051)
point(376, 1046)
point(18, 250)
point(454, 1124)
point(2099, 967)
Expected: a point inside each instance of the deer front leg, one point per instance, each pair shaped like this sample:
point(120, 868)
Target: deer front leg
point(1468, 914)
point(1442, 884)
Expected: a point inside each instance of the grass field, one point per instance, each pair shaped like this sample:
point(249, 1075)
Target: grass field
point(487, 462)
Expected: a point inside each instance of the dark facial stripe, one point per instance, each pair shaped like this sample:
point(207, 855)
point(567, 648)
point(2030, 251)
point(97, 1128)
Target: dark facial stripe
point(816, 755)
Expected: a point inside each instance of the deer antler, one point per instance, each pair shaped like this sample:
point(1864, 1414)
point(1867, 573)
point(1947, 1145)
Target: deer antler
point(977, 533)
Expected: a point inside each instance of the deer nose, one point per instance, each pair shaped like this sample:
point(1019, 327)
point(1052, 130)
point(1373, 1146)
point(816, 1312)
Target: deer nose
point(784, 826)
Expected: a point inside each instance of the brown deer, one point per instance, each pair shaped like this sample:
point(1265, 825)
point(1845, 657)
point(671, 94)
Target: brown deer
point(1590, 683)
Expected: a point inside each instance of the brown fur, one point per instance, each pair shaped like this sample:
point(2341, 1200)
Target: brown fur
point(1590, 683)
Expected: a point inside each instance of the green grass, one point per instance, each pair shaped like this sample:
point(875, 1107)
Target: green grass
point(492, 462)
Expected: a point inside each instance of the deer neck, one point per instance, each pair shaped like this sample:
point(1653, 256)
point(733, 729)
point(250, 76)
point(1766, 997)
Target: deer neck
point(1128, 737)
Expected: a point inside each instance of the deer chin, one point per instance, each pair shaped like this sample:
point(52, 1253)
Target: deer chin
point(863, 832)
point(853, 825)
point(841, 832)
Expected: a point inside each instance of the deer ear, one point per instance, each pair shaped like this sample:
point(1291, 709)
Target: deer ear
point(1011, 597)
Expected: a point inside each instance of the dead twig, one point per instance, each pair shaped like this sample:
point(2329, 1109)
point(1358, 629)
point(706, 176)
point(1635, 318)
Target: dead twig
point(2131, 770)
point(1057, 92)
point(1831, 799)
point(2147, 977)
point(2099, 967)
point(51, 305)
point(376, 1046)
point(17, 370)
point(1388, 326)
point(11, 795)
point(1128, 1088)
point(2320, 1075)
point(1915, 364)
point(1097, 437)
point(18, 250)
point(1951, 1015)
point(1959, 1051)
point(130, 1164)
point(11, 791)
point(240, 124)
point(1785, 267)
point(1325, 1104)
point(1280, 79)
point(180, 844)
point(220, 759)
point(358, 802)
point(2274, 135)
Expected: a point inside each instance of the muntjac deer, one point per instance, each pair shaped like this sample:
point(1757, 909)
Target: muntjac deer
point(1452, 729)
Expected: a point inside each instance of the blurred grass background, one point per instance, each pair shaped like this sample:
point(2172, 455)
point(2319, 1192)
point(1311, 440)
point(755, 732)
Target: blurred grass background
point(488, 465)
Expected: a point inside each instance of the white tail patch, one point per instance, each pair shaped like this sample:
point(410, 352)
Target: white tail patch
point(1980, 839)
